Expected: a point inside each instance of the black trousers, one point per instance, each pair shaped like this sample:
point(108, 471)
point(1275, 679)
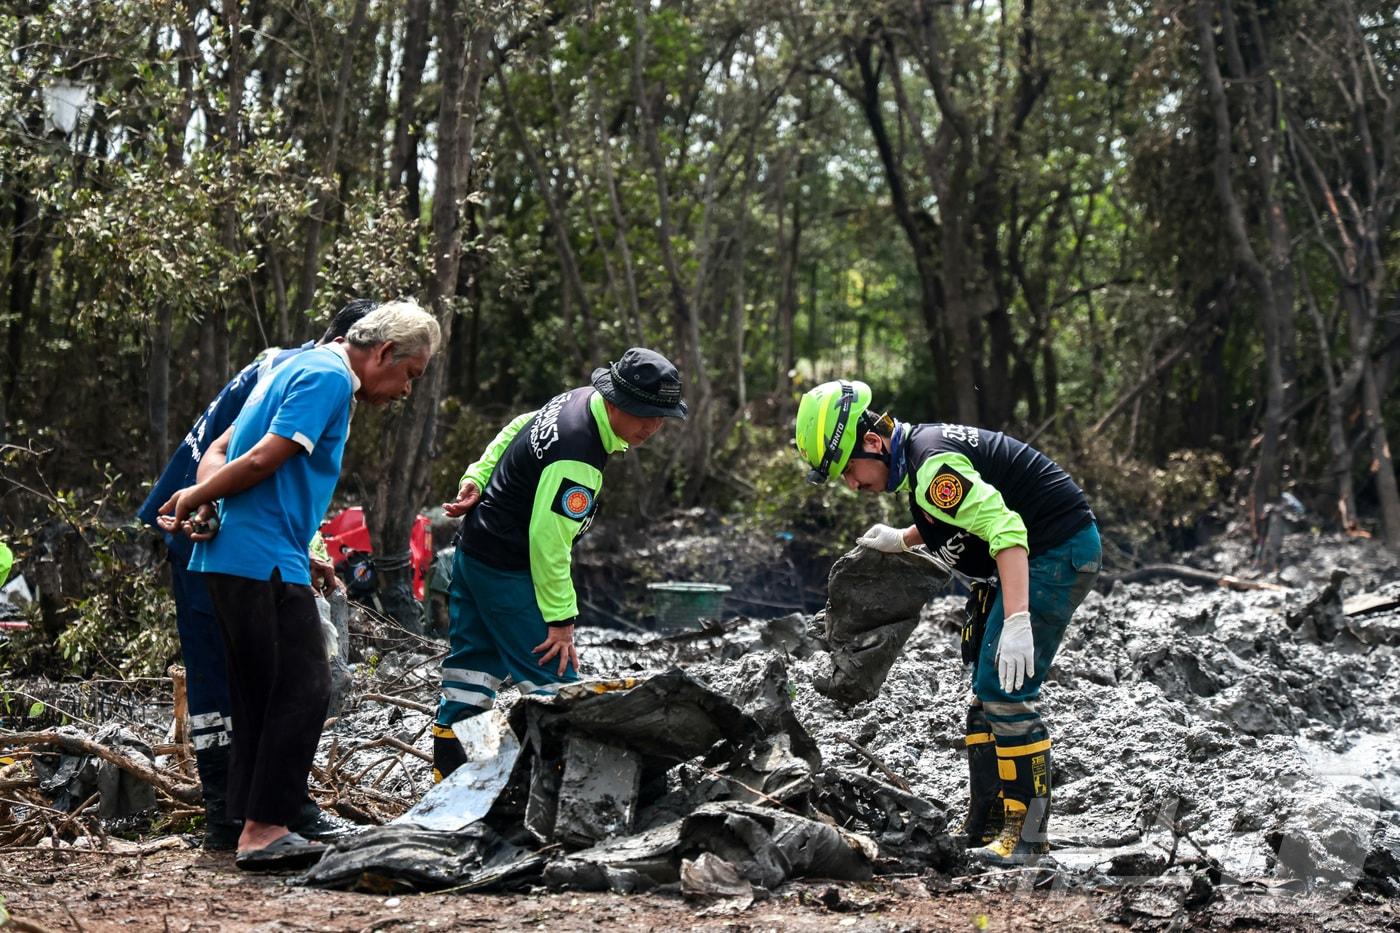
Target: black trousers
point(279, 686)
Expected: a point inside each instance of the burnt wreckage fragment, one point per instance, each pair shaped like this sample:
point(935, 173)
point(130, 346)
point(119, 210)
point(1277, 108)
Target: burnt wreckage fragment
point(624, 784)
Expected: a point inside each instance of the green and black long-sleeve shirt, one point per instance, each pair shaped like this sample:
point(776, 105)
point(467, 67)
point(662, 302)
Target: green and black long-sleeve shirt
point(973, 493)
point(539, 482)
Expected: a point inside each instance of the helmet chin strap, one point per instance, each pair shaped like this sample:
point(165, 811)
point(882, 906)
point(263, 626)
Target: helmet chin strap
point(894, 458)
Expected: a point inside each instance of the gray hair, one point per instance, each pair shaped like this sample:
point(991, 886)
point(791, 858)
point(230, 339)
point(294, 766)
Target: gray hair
point(408, 327)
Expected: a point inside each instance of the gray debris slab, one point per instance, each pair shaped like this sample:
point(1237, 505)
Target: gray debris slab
point(771, 846)
point(631, 863)
point(911, 832)
point(69, 780)
point(710, 877)
point(668, 718)
point(873, 605)
point(598, 792)
point(765, 846)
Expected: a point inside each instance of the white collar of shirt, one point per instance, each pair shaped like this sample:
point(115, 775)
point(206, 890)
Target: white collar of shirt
point(339, 350)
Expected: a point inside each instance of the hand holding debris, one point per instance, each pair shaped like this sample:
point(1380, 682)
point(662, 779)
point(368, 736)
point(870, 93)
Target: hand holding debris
point(1015, 651)
point(179, 515)
point(560, 644)
point(467, 498)
point(323, 578)
point(884, 538)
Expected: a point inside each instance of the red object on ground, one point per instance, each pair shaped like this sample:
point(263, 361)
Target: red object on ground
point(348, 532)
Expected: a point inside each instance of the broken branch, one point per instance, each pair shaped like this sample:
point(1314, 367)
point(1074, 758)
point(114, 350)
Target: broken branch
point(1191, 574)
point(869, 756)
point(398, 701)
point(185, 793)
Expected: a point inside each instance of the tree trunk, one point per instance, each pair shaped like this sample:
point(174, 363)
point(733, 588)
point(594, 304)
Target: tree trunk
point(463, 58)
point(687, 329)
point(919, 229)
point(461, 376)
point(404, 172)
point(1339, 468)
point(1382, 463)
point(586, 350)
point(1350, 201)
point(789, 248)
point(738, 321)
point(325, 184)
point(632, 306)
point(214, 338)
point(1265, 486)
point(158, 389)
point(24, 254)
point(26, 233)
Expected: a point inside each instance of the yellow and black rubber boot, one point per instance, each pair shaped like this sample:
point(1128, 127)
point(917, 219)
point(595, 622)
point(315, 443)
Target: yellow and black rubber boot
point(1024, 764)
point(984, 805)
point(448, 754)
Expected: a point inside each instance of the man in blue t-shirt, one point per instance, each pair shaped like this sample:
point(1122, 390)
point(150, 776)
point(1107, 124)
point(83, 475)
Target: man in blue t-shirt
point(201, 646)
point(283, 461)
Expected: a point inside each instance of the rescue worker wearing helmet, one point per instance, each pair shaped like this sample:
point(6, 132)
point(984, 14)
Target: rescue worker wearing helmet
point(1012, 524)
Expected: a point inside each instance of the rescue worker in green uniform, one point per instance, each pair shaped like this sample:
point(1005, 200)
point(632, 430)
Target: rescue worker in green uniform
point(1013, 525)
point(526, 500)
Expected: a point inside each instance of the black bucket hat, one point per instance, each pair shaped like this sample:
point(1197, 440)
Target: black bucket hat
point(642, 383)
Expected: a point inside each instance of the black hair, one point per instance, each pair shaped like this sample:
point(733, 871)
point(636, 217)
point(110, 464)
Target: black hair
point(347, 317)
point(881, 424)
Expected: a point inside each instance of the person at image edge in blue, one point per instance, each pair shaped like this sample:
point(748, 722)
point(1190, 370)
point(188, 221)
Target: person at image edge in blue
point(273, 487)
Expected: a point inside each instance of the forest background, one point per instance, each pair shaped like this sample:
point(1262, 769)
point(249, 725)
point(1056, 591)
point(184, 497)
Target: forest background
point(1153, 238)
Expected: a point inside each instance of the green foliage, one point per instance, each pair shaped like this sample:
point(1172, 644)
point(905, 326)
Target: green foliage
point(1061, 178)
point(114, 616)
point(126, 629)
point(375, 255)
point(825, 519)
point(1151, 509)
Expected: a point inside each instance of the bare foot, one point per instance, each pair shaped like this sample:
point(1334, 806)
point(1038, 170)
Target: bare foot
point(256, 835)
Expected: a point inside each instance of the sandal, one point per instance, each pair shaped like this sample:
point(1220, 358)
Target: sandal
point(285, 853)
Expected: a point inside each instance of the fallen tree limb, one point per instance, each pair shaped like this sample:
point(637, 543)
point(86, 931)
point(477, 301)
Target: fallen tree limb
point(185, 793)
point(397, 701)
point(1191, 575)
point(871, 757)
point(1369, 602)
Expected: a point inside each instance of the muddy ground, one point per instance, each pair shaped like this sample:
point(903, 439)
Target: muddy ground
point(1225, 760)
point(188, 890)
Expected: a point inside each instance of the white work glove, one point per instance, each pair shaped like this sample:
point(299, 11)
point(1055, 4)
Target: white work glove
point(883, 538)
point(1015, 651)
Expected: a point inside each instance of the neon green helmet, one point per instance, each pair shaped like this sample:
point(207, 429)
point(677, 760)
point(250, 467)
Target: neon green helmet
point(826, 426)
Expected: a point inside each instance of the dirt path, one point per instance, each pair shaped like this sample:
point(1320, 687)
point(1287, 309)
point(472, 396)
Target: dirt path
point(188, 890)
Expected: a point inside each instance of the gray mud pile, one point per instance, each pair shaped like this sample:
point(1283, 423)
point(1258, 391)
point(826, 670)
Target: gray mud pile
point(1254, 732)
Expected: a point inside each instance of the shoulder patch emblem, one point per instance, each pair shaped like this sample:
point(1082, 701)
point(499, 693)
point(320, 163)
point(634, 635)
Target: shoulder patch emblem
point(947, 490)
point(573, 500)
